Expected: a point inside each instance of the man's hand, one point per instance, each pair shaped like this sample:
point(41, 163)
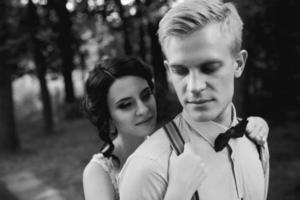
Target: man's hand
point(186, 172)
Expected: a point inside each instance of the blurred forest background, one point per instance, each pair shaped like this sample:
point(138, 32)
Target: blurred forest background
point(48, 46)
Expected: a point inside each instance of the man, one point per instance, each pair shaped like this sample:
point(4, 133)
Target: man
point(201, 40)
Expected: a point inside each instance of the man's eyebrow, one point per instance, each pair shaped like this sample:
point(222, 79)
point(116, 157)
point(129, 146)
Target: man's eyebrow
point(177, 65)
point(213, 61)
point(205, 63)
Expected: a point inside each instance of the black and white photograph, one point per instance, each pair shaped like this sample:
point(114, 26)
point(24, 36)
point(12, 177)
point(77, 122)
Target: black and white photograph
point(149, 100)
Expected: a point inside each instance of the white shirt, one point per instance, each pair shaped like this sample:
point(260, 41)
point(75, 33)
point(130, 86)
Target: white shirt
point(234, 173)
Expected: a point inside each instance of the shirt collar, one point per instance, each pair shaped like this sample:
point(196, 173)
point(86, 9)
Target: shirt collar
point(210, 130)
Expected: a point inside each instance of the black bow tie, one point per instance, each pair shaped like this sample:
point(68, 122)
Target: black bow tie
point(234, 132)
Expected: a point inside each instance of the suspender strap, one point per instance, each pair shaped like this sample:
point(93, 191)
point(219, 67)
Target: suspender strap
point(175, 137)
point(177, 143)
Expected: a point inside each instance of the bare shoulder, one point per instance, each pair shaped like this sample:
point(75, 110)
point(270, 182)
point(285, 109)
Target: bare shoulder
point(97, 182)
point(93, 169)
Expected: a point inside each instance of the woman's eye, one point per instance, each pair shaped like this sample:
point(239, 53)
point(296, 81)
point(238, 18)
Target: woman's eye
point(124, 105)
point(146, 95)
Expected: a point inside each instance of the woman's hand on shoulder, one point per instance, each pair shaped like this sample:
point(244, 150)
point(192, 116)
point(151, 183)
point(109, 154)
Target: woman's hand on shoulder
point(257, 129)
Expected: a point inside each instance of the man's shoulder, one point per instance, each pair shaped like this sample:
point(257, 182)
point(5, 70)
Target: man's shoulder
point(155, 146)
point(152, 156)
point(146, 168)
point(250, 149)
point(155, 150)
point(158, 144)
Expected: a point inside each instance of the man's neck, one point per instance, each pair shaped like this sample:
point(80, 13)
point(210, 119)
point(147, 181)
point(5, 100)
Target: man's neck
point(227, 117)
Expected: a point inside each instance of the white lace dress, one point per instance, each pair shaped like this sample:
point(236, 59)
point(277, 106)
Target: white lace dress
point(108, 166)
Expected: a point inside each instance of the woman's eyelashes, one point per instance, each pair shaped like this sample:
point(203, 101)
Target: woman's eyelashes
point(146, 94)
point(124, 105)
point(128, 103)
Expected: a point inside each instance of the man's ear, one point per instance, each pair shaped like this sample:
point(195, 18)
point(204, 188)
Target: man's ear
point(166, 64)
point(240, 62)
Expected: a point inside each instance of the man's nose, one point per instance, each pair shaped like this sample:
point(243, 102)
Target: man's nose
point(196, 82)
point(142, 108)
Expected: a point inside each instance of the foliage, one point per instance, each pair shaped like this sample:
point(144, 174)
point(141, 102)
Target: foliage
point(273, 74)
point(12, 41)
point(105, 28)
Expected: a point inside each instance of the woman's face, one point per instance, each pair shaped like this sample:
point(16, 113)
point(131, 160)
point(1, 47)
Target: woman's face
point(132, 106)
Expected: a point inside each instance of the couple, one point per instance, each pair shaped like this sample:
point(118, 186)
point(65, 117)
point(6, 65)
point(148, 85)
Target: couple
point(201, 40)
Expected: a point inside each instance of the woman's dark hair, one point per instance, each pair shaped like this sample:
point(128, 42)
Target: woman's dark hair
point(97, 86)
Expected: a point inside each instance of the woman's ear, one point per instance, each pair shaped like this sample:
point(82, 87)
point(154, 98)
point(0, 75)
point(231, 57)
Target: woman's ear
point(240, 62)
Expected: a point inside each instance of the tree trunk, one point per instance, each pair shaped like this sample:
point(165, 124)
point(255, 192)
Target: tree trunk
point(41, 68)
point(166, 104)
point(46, 98)
point(142, 45)
point(158, 60)
point(9, 140)
point(125, 28)
point(66, 42)
point(8, 136)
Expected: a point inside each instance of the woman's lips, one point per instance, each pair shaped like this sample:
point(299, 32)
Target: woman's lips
point(144, 121)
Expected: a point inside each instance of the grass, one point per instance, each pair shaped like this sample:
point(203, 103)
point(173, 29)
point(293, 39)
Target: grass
point(59, 159)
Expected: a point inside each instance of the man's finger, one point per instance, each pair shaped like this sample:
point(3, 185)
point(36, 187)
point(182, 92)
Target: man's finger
point(188, 147)
point(250, 125)
point(173, 155)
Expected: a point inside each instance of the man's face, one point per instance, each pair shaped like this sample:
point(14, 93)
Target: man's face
point(202, 69)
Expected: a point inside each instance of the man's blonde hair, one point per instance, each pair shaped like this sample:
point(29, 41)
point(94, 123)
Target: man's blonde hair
point(192, 15)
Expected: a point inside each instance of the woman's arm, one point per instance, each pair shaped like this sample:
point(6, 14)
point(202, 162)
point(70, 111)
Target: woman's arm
point(97, 183)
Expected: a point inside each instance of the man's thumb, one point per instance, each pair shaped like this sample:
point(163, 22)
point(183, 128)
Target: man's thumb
point(188, 147)
point(173, 156)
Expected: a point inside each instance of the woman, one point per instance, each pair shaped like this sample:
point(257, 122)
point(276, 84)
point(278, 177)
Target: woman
point(120, 103)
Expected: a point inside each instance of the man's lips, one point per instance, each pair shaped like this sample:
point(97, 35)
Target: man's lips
point(144, 120)
point(198, 101)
